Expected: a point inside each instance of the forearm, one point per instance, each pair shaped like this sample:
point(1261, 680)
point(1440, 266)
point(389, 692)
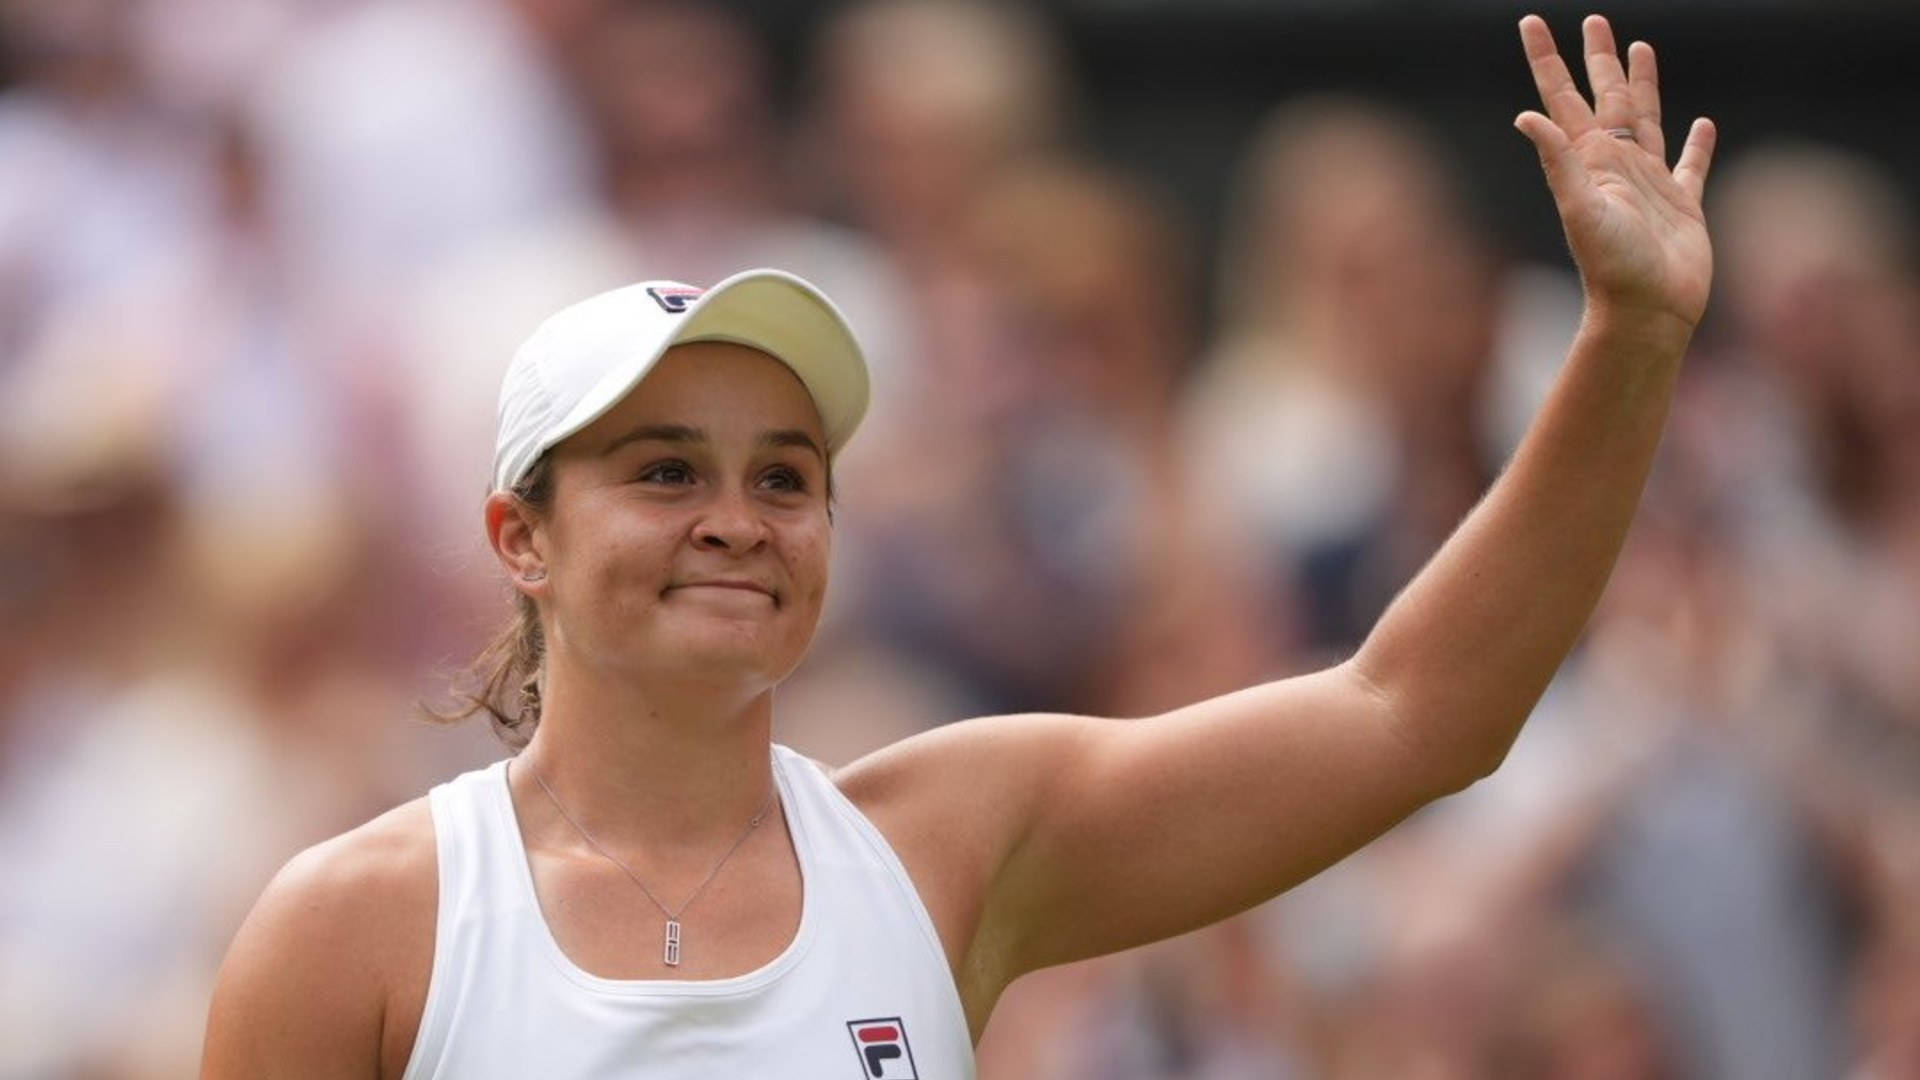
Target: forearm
point(1127, 832)
point(1462, 655)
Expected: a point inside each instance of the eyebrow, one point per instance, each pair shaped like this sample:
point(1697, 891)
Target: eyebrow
point(796, 438)
point(681, 433)
point(673, 433)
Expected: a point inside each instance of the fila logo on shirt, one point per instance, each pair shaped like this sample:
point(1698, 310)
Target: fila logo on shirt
point(674, 298)
point(882, 1046)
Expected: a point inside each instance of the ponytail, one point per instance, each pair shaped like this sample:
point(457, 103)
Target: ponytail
point(507, 672)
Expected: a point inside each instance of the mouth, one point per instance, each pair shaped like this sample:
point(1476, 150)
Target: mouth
point(729, 585)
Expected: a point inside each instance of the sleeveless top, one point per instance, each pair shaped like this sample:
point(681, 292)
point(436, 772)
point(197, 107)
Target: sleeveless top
point(863, 989)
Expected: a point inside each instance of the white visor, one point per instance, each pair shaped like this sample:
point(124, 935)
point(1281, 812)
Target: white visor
point(584, 358)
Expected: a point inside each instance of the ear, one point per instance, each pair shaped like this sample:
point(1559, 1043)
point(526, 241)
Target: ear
point(518, 542)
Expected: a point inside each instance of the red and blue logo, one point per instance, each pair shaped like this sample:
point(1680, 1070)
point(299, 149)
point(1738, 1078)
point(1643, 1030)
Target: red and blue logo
point(882, 1046)
point(674, 298)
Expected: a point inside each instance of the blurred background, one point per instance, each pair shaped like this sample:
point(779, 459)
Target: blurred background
point(1194, 326)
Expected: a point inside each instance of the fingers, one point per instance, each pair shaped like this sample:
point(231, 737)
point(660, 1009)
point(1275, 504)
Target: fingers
point(1643, 88)
point(1612, 105)
point(1696, 158)
point(1558, 94)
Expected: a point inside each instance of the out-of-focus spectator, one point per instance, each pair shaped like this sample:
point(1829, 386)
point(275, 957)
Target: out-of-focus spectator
point(381, 172)
point(1790, 453)
point(1808, 432)
point(917, 107)
point(1095, 284)
point(922, 101)
point(1820, 298)
point(1209, 1006)
point(398, 142)
point(98, 181)
point(1886, 1008)
point(208, 682)
point(1577, 1009)
point(1340, 410)
point(1784, 629)
point(201, 57)
point(208, 368)
point(1039, 549)
point(183, 731)
point(1710, 865)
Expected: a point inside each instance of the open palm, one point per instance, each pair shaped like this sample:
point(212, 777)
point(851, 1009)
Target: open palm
point(1635, 227)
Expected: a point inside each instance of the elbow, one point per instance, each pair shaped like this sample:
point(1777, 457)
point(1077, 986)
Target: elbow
point(1455, 766)
point(1452, 745)
point(1449, 770)
point(1471, 752)
point(1486, 762)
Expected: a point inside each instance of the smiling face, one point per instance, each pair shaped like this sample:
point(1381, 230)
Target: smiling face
point(688, 534)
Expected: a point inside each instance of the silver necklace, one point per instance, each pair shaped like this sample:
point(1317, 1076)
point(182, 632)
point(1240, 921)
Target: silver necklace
point(671, 952)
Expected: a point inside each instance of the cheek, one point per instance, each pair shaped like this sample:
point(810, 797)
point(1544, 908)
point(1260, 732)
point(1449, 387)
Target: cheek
point(632, 579)
point(620, 568)
point(807, 552)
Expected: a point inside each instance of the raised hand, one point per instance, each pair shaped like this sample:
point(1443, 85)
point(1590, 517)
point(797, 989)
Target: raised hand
point(1635, 226)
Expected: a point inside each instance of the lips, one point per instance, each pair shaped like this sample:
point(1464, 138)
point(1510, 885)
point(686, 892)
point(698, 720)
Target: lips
point(735, 584)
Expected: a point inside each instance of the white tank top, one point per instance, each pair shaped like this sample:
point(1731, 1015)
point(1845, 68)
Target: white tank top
point(863, 990)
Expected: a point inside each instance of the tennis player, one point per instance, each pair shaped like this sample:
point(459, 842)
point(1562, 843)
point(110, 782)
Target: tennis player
point(653, 888)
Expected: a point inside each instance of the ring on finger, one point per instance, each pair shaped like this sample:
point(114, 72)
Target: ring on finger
point(1626, 133)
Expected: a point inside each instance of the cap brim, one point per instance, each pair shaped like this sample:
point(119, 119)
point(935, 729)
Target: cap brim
point(776, 313)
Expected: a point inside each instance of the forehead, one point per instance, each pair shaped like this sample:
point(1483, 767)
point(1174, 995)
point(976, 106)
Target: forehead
point(718, 386)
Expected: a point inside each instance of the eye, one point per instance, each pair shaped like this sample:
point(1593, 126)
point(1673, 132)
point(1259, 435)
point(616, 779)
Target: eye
point(667, 472)
point(784, 478)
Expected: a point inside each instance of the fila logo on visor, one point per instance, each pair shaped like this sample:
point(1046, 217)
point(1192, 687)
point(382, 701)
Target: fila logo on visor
point(882, 1046)
point(674, 298)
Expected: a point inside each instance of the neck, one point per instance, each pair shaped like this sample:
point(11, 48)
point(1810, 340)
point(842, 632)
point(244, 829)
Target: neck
point(674, 764)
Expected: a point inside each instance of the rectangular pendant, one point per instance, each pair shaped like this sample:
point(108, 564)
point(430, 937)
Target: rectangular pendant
point(673, 943)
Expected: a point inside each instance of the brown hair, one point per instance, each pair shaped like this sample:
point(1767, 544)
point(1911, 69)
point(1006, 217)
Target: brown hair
point(506, 674)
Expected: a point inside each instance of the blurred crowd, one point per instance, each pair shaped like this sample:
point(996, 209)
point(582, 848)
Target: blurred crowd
point(262, 263)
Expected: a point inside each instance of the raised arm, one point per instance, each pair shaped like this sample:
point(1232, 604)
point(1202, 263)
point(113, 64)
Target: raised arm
point(1094, 835)
point(1462, 655)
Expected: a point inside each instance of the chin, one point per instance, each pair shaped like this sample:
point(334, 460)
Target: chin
point(723, 658)
point(749, 671)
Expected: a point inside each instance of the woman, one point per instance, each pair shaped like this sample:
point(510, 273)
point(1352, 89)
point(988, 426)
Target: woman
point(649, 890)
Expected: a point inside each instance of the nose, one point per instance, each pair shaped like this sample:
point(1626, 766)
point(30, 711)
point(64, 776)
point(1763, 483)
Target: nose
point(731, 523)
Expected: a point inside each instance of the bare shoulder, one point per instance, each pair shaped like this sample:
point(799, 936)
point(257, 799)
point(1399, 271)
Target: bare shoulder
point(983, 760)
point(954, 803)
point(964, 795)
point(368, 886)
point(334, 955)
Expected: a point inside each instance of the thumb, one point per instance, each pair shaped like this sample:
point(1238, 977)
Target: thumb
point(1565, 178)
